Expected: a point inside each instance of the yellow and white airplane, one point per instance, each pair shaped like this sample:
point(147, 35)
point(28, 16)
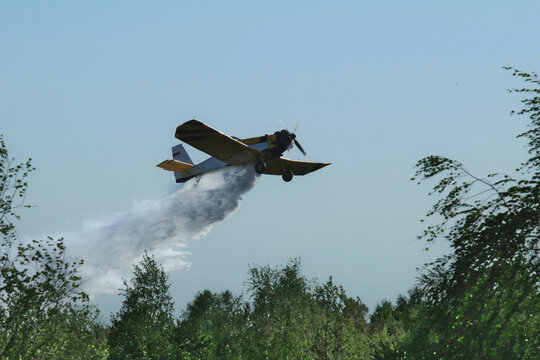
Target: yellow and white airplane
point(264, 152)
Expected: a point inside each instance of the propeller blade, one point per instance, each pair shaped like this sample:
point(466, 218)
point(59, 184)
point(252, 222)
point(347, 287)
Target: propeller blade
point(299, 147)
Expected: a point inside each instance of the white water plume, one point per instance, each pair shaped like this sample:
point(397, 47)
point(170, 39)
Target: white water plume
point(160, 226)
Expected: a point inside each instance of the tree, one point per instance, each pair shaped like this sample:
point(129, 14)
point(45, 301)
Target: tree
point(279, 312)
point(337, 323)
point(291, 317)
point(286, 317)
point(143, 328)
point(483, 299)
point(214, 326)
point(13, 188)
point(43, 313)
point(386, 330)
point(390, 324)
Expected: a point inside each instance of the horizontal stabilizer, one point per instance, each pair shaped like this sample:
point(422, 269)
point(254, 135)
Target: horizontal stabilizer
point(174, 165)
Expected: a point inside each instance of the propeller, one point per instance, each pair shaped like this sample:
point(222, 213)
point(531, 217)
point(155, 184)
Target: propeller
point(296, 141)
point(293, 135)
point(298, 145)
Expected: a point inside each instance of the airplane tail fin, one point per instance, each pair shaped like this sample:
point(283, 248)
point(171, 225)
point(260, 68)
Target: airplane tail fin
point(180, 154)
point(181, 162)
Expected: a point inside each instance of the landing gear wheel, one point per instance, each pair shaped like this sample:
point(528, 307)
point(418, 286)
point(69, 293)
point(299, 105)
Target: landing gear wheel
point(287, 175)
point(260, 167)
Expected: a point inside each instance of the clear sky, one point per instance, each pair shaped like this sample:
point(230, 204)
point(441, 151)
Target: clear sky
point(93, 92)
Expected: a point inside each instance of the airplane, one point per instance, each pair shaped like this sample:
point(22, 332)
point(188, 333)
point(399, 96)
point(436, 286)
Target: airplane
point(264, 152)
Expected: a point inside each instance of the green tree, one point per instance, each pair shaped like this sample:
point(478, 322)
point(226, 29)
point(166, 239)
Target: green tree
point(387, 330)
point(286, 317)
point(213, 326)
point(13, 186)
point(43, 313)
point(143, 328)
point(482, 300)
point(279, 312)
point(390, 324)
point(337, 323)
point(293, 318)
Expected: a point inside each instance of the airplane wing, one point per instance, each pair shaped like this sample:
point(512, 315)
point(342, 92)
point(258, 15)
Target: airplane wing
point(274, 167)
point(204, 138)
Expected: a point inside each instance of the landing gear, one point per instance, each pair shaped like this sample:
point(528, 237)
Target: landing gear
point(260, 167)
point(287, 175)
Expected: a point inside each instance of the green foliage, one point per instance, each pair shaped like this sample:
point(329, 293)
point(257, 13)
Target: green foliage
point(43, 314)
point(338, 323)
point(386, 330)
point(279, 311)
point(143, 328)
point(287, 317)
point(213, 326)
point(532, 110)
point(482, 301)
point(13, 187)
point(390, 324)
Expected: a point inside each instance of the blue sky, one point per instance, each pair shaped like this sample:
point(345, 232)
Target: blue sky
point(93, 92)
